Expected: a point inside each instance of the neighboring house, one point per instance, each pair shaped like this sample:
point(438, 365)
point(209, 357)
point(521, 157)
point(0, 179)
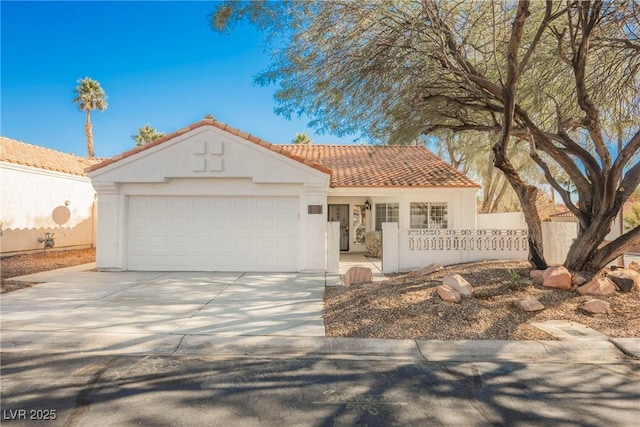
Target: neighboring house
point(44, 190)
point(212, 198)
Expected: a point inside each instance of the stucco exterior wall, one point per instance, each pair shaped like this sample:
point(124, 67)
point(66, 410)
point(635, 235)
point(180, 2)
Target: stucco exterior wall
point(502, 221)
point(209, 162)
point(557, 237)
point(32, 200)
point(461, 202)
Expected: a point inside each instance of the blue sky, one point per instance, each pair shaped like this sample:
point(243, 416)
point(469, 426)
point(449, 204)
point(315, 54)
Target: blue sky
point(159, 63)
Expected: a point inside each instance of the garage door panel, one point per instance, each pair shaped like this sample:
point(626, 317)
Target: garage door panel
point(223, 223)
point(213, 233)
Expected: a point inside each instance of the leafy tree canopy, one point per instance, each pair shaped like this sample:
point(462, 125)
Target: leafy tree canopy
point(302, 138)
point(557, 80)
point(146, 134)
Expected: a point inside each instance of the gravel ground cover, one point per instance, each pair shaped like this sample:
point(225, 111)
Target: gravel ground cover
point(18, 265)
point(410, 308)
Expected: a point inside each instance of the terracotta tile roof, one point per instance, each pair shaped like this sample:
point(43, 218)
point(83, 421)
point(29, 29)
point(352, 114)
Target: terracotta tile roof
point(21, 153)
point(349, 165)
point(210, 121)
point(383, 166)
point(564, 214)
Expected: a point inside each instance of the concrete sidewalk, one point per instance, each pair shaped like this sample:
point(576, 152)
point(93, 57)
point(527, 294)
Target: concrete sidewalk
point(582, 351)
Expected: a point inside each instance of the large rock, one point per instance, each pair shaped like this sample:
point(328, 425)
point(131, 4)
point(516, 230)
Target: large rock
point(357, 275)
point(598, 286)
point(425, 271)
point(556, 277)
point(595, 306)
point(460, 284)
point(578, 279)
point(625, 280)
point(633, 265)
point(536, 277)
point(529, 304)
point(448, 294)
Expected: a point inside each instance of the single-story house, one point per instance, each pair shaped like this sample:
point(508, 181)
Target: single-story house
point(213, 198)
point(44, 191)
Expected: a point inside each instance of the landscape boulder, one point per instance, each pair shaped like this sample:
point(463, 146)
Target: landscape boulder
point(448, 294)
point(595, 306)
point(425, 271)
point(460, 284)
point(556, 277)
point(578, 279)
point(598, 286)
point(529, 304)
point(357, 275)
point(633, 265)
point(536, 277)
point(625, 280)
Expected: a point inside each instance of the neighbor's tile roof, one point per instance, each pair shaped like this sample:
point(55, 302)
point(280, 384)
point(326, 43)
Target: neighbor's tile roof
point(383, 166)
point(210, 121)
point(348, 165)
point(21, 153)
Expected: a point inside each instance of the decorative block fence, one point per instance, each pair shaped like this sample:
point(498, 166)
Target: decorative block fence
point(408, 249)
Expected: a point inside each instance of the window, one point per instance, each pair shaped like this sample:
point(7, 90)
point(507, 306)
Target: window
point(386, 212)
point(428, 215)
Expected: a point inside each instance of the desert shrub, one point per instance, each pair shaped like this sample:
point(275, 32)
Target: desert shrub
point(373, 242)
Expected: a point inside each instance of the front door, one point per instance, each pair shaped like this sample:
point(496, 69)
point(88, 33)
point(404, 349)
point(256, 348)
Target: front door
point(340, 213)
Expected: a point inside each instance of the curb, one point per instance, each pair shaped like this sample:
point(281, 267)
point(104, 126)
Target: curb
point(580, 351)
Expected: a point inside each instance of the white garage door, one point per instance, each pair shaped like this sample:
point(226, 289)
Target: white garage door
point(212, 233)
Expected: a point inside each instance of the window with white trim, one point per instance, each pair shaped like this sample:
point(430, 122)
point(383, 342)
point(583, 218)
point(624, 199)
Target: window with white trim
point(386, 212)
point(428, 215)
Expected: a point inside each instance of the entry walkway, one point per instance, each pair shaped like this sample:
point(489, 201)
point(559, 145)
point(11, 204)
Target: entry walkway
point(348, 260)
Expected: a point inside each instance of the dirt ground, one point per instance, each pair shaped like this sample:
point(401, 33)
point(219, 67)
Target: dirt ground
point(404, 308)
point(18, 265)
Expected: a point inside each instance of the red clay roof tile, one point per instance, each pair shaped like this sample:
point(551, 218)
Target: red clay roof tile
point(348, 165)
point(21, 153)
point(383, 166)
point(204, 122)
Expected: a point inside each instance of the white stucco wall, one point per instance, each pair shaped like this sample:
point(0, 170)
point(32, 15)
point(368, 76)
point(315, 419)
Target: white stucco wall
point(557, 237)
point(209, 162)
point(461, 202)
point(28, 198)
point(502, 221)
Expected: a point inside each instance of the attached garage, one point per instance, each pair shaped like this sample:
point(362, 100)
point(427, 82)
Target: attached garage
point(212, 233)
point(211, 198)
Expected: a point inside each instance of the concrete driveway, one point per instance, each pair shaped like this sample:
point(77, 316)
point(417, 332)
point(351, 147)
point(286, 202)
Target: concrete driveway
point(190, 303)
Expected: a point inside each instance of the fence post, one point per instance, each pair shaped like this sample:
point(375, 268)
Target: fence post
point(333, 247)
point(390, 247)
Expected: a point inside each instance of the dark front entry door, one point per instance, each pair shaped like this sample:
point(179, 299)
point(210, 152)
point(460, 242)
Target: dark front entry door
point(340, 213)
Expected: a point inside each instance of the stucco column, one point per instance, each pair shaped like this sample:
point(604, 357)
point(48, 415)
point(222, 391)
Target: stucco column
point(313, 228)
point(109, 253)
point(390, 258)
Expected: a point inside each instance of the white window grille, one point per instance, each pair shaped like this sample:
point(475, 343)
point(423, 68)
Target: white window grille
point(429, 215)
point(386, 212)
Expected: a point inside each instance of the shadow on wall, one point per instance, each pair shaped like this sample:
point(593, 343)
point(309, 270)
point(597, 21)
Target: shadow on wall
point(71, 230)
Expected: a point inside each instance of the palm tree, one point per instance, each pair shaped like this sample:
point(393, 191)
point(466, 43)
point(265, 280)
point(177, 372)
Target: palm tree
point(89, 95)
point(302, 138)
point(146, 134)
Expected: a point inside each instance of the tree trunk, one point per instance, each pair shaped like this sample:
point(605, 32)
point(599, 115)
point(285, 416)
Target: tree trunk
point(585, 253)
point(87, 129)
point(614, 249)
point(527, 194)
